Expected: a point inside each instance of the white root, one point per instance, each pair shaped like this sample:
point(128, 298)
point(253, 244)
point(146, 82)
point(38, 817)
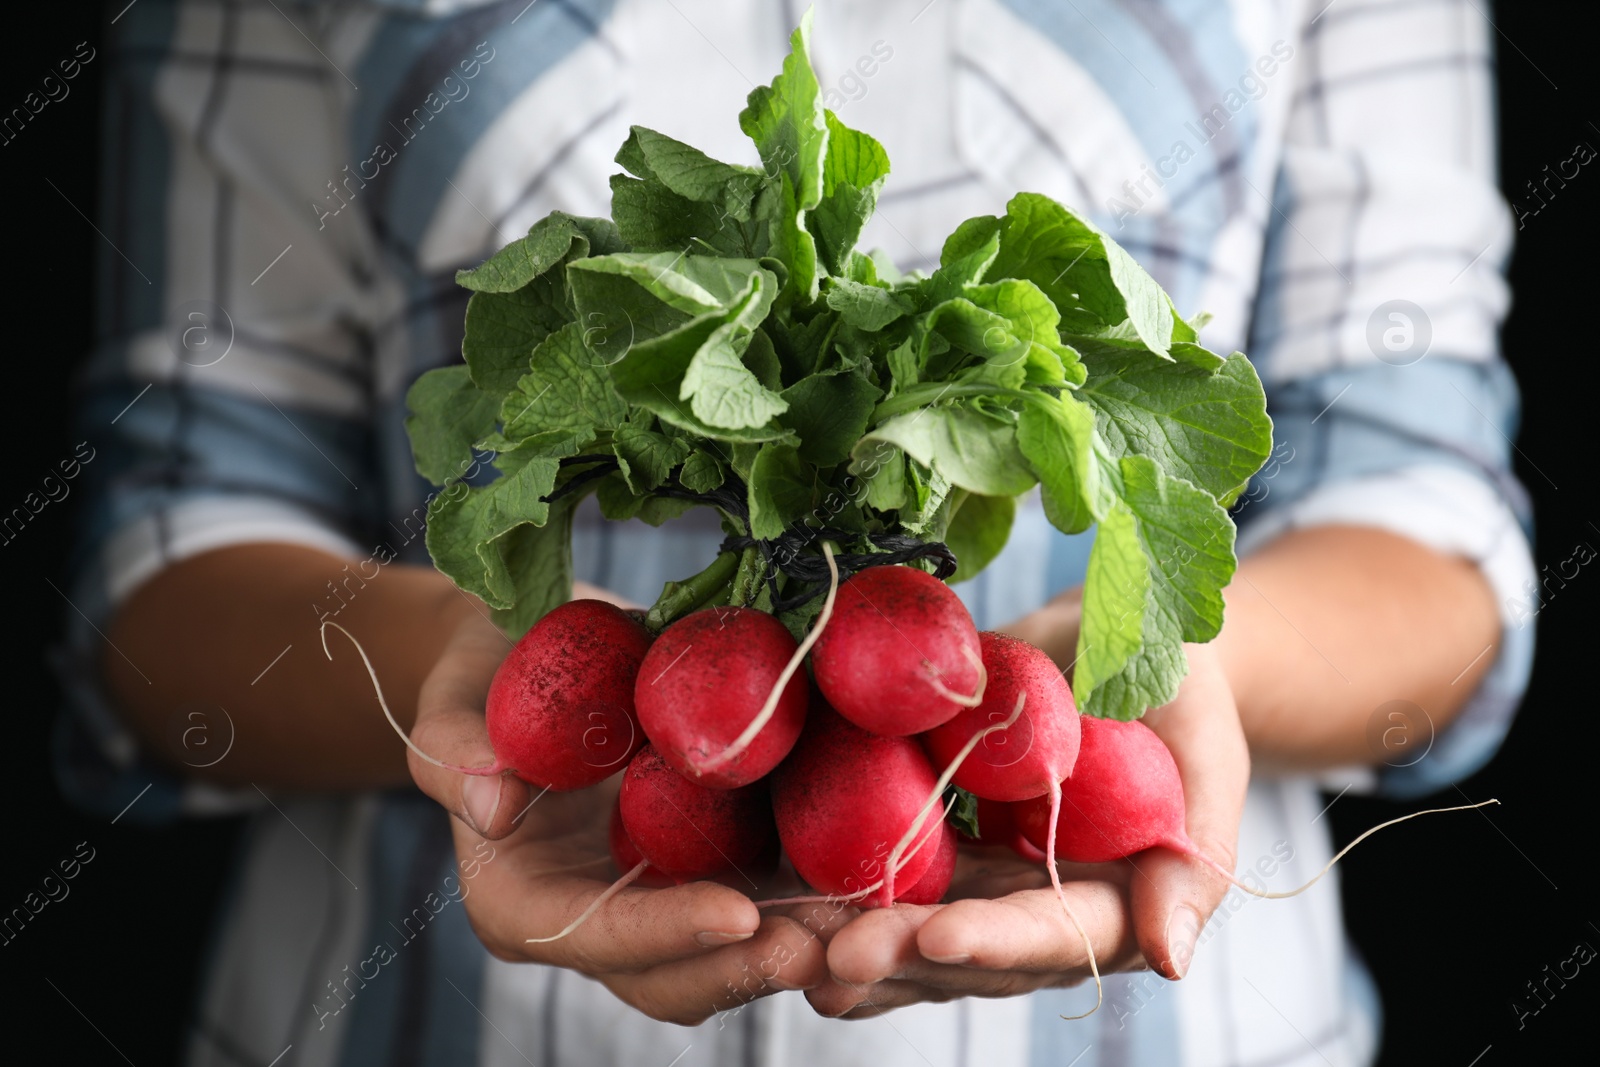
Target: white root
point(1061, 896)
point(961, 698)
point(594, 905)
point(896, 863)
point(1287, 893)
point(860, 893)
point(764, 716)
point(494, 768)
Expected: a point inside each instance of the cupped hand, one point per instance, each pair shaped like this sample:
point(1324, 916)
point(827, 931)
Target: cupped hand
point(531, 863)
point(1004, 931)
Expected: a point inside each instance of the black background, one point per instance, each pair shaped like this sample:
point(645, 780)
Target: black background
point(1455, 915)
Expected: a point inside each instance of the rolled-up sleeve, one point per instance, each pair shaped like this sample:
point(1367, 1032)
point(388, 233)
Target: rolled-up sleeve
point(1376, 330)
point(227, 400)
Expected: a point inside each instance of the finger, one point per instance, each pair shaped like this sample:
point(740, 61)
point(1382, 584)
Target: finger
point(881, 943)
point(450, 728)
point(840, 1000)
point(823, 918)
point(635, 930)
point(1028, 931)
point(782, 955)
point(1173, 895)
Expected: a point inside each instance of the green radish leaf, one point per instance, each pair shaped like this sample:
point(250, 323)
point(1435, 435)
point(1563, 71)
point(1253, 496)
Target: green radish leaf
point(852, 173)
point(780, 490)
point(1206, 427)
point(829, 413)
point(653, 218)
point(701, 473)
point(1186, 540)
point(549, 242)
point(978, 531)
point(967, 267)
point(646, 457)
point(692, 284)
point(467, 527)
point(786, 121)
point(963, 807)
point(866, 307)
point(975, 450)
point(566, 394)
point(1056, 434)
point(521, 295)
point(888, 483)
point(447, 414)
point(692, 377)
point(722, 391)
point(539, 559)
point(1116, 593)
point(763, 361)
point(503, 328)
point(690, 173)
point(1091, 280)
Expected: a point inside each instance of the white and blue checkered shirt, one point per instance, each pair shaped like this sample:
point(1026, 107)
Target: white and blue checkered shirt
point(299, 182)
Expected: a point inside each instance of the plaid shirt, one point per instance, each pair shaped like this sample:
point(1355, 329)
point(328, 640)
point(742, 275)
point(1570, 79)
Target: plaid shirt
point(289, 189)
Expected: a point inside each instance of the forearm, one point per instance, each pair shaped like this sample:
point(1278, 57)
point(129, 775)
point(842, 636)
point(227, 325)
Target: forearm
point(201, 634)
point(1324, 626)
point(1327, 624)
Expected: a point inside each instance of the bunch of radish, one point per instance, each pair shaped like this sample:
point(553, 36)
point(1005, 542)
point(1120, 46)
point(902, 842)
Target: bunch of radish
point(732, 756)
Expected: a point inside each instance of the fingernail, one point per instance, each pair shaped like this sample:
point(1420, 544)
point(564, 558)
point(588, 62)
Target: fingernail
point(481, 798)
point(1183, 930)
point(713, 938)
point(958, 958)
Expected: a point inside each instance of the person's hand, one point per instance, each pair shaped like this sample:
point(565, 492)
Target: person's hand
point(1006, 934)
point(530, 864)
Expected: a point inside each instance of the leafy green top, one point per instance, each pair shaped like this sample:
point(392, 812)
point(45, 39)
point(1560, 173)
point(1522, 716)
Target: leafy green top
point(722, 333)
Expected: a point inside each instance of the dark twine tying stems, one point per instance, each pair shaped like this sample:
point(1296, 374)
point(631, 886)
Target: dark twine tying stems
point(810, 572)
point(787, 553)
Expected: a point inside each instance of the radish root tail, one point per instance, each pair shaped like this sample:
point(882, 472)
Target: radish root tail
point(764, 716)
point(860, 894)
point(1265, 894)
point(896, 861)
point(1055, 883)
point(493, 769)
point(961, 698)
point(594, 905)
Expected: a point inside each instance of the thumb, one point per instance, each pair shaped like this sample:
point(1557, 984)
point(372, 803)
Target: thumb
point(450, 729)
point(1172, 895)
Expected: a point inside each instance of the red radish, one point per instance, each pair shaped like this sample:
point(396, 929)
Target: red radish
point(1126, 795)
point(560, 706)
point(1032, 755)
point(1025, 753)
point(560, 710)
point(843, 800)
point(688, 831)
point(935, 881)
point(625, 854)
point(900, 655)
point(703, 682)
